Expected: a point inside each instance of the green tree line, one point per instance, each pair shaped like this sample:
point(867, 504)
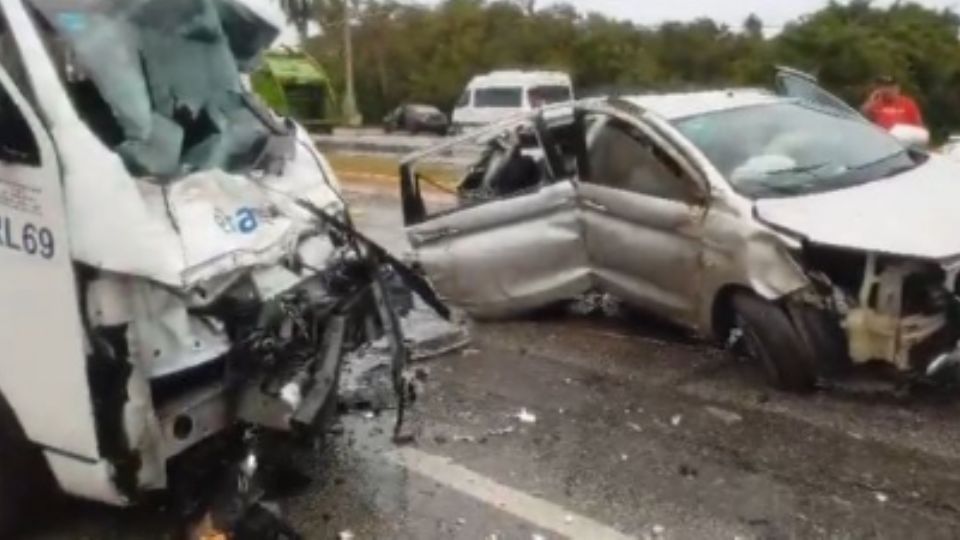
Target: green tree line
point(408, 52)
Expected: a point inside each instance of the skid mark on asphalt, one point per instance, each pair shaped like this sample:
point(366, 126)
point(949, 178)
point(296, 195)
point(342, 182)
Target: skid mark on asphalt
point(537, 511)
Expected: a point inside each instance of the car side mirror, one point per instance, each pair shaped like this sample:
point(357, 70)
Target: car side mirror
point(914, 137)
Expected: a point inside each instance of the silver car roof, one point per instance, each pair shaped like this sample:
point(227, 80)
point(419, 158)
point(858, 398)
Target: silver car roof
point(682, 105)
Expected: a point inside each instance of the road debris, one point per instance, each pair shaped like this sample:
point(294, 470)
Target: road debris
point(635, 427)
point(687, 471)
point(501, 431)
point(658, 530)
point(724, 415)
point(675, 420)
point(881, 497)
point(526, 416)
point(346, 535)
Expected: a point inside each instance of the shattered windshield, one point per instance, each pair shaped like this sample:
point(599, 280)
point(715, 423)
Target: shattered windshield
point(159, 81)
point(792, 148)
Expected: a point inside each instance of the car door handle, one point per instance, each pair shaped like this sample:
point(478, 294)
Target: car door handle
point(594, 205)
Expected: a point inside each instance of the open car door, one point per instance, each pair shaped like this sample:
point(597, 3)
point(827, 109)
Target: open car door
point(797, 84)
point(508, 239)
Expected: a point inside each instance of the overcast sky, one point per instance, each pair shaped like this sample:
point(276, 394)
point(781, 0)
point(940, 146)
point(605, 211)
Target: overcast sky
point(732, 12)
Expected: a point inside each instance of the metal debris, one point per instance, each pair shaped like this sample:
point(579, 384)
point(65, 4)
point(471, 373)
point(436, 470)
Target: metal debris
point(526, 416)
point(726, 416)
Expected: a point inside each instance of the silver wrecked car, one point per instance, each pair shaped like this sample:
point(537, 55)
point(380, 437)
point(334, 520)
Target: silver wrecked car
point(781, 218)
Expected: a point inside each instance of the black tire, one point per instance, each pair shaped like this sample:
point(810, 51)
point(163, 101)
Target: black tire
point(771, 339)
point(826, 338)
point(24, 476)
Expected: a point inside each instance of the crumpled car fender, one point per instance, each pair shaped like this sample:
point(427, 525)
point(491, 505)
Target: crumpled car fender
point(747, 255)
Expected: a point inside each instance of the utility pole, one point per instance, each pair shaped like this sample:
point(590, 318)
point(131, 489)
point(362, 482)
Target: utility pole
point(350, 113)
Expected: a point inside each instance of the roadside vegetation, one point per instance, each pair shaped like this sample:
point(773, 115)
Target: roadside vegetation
point(407, 52)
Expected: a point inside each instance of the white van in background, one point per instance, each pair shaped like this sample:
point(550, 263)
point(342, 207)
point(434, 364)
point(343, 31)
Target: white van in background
point(500, 94)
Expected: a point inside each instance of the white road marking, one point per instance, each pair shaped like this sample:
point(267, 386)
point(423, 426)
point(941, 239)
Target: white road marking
point(540, 512)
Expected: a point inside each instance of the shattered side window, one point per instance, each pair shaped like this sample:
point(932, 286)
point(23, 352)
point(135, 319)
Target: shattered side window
point(159, 81)
point(12, 62)
point(17, 141)
point(622, 157)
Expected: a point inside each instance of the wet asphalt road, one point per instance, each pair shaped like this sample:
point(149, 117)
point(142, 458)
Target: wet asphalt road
point(638, 432)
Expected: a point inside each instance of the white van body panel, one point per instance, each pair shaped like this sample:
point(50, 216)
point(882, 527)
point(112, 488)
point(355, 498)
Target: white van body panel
point(470, 113)
point(43, 371)
point(93, 211)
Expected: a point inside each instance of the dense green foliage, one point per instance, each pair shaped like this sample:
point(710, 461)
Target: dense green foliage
point(410, 52)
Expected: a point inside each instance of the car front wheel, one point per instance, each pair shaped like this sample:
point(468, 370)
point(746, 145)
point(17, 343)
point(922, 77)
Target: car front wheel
point(772, 340)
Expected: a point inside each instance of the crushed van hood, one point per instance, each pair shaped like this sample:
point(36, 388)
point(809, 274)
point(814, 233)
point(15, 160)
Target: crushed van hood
point(913, 214)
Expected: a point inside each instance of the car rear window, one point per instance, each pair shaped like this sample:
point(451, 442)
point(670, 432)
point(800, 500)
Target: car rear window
point(506, 97)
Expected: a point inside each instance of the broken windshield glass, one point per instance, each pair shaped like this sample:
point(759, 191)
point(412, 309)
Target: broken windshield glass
point(159, 81)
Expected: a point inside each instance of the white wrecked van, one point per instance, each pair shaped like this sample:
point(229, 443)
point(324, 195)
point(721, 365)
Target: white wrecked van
point(501, 94)
point(173, 256)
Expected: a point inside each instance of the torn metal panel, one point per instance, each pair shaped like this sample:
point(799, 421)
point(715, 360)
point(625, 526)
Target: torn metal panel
point(643, 250)
point(165, 338)
point(538, 236)
point(91, 480)
point(880, 328)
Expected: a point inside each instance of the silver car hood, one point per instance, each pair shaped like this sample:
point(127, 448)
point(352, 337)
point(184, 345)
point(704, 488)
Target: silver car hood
point(915, 214)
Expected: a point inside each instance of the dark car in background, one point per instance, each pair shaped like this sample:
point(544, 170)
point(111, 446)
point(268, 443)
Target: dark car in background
point(416, 118)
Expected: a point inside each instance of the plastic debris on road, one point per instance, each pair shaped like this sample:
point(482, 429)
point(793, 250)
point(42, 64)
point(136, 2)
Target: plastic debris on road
point(526, 416)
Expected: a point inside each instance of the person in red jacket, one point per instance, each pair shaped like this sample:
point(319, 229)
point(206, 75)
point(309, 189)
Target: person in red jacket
point(887, 106)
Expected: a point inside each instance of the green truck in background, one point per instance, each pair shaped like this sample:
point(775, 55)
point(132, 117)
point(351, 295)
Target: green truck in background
point(295, 85)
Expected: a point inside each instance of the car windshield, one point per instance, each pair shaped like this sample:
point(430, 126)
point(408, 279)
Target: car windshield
point(793, 148)
point(505, 97)
point(546, 95)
